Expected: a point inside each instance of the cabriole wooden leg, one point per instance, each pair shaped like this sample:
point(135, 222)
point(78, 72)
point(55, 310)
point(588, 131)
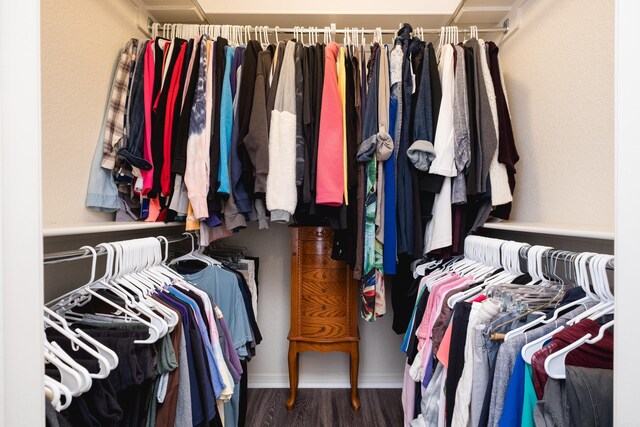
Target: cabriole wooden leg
point(293, 375)
point(355, 360)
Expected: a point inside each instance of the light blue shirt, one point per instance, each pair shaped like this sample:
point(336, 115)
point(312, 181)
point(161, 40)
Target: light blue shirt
point(224, 290)
point(226, 122)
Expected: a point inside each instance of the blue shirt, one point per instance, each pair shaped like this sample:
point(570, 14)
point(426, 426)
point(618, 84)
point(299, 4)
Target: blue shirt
point(223, 289)
point(389, 248)
point(214, 372)
point(200, 403)
point(512, 410)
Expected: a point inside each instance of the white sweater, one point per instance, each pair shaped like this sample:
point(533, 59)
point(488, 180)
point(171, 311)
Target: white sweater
point(500, 190)
point(282, 195)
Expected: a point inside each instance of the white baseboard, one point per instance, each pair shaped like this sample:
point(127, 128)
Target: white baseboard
point(260, 380)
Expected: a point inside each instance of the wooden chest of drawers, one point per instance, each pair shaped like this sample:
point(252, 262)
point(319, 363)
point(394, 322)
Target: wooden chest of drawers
point(324, 302)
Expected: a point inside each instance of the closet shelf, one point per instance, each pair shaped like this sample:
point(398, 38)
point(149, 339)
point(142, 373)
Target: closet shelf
point(571, 230)
point(105, 227)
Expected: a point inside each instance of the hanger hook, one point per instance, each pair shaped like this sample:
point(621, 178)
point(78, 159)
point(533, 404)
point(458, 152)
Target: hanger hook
point(94, 259)
point(109, 263)
point(166, 248)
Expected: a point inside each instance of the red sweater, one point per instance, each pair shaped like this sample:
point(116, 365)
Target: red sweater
point(330, 174)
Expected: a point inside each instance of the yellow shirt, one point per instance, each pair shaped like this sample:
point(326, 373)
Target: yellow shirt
point(342, 87)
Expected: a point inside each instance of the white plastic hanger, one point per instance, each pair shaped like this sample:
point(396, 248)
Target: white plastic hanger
point(63, 328)
point(128, 254)
point(555, 363)
point(154, 331)
point(580, 263)
point(68, 376)
point(58, 390)
point(85, 377)
point(135, 251)
point(52, 392)
point(597, 268)
point(151, 256)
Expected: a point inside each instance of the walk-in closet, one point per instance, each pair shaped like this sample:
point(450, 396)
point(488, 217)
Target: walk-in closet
point(253, 213)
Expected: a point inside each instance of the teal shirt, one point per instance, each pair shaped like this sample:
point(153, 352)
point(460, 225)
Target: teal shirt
point(530, 398)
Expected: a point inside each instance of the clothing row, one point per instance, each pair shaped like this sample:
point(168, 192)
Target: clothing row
point(196, 374)
point(466, 358)
point(401, 149)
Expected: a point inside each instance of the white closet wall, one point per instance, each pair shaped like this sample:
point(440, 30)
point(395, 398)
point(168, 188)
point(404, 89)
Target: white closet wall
point(559, 73)
point(80, 43)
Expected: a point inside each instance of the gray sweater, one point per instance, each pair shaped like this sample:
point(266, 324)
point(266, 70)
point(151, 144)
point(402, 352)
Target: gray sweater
point(487, 138)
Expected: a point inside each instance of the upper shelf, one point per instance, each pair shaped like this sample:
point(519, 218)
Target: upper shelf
point(105, 227)
point(570, 230)
point(355, 13)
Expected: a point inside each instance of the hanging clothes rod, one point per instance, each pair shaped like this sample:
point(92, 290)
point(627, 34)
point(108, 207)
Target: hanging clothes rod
point(559, 255)
point(74, 255)
point(334, 30)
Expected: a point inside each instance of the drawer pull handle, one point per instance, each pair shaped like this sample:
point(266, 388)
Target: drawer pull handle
point(294, 253)
point(324, 275)
point(323, 329)
point(319, 233)
point(324, 307)
point(324, 290)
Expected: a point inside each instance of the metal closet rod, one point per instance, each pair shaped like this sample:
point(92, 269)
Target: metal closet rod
point(74, 255)
point(562, 255)
point(288, 30)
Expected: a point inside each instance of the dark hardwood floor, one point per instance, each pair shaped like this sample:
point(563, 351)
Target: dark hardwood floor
point(324, 407)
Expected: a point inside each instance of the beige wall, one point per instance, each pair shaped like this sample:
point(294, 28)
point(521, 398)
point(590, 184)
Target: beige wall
point(559, 72)
point(80, 41)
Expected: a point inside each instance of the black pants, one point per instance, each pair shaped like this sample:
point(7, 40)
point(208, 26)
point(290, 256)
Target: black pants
point(460, 321)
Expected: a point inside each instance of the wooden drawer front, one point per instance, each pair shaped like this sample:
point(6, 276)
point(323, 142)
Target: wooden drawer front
point(323, 275)
point(338, 290)
point(315, 233)
point(314, 247)
point(324, 305)
point(328, 327)
point(319, 261)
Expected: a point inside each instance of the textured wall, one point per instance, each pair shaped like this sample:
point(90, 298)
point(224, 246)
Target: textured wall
point(559, 73)
point(80, 41)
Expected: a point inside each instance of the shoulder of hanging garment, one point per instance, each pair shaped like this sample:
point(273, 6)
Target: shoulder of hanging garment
point(331, 51)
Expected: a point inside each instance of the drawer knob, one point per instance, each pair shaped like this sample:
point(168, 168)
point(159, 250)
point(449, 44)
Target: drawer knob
point(324, 275)
point(294, 253)
point(323, 329)
point(324, 290)
point(319, 233)
point(324, 307)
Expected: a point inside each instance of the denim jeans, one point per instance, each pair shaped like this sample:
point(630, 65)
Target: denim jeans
point(132, 149)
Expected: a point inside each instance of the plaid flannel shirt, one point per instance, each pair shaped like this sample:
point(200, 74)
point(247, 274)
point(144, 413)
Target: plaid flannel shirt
point(116, 110)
